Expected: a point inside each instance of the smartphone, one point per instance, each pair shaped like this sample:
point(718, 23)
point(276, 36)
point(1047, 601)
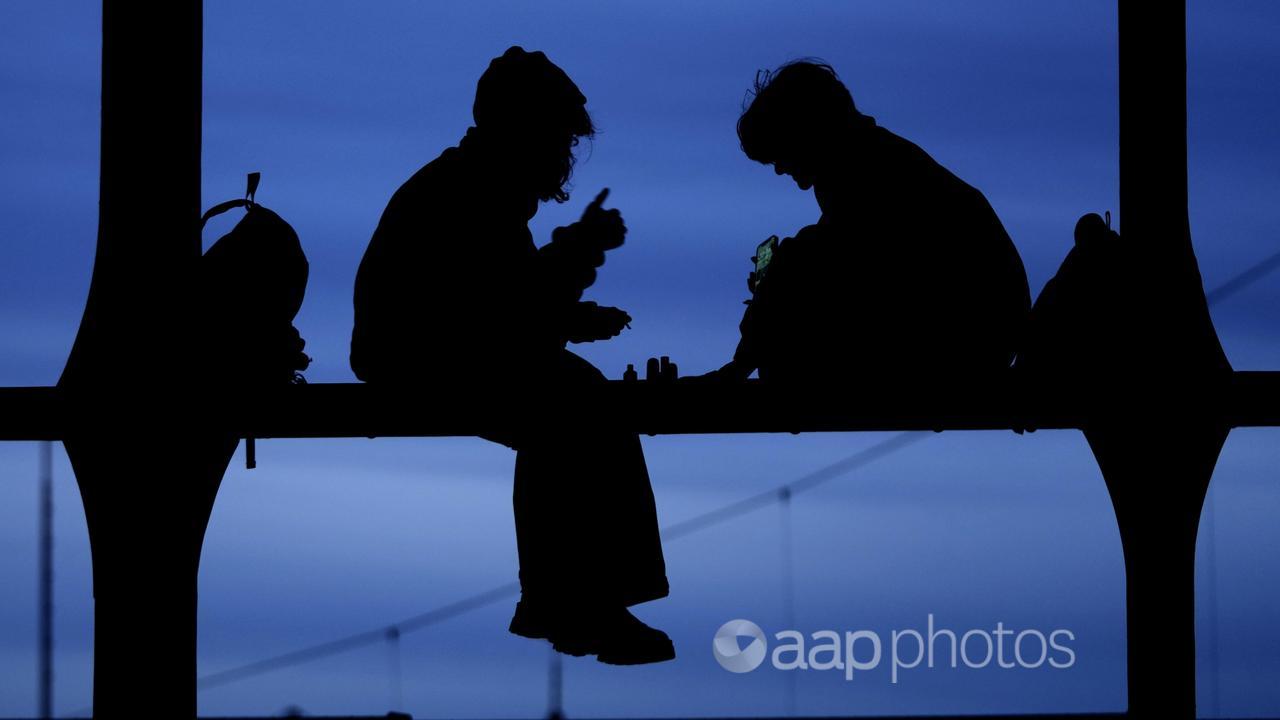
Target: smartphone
point(764, 255)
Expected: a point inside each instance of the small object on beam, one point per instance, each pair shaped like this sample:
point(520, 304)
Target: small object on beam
point(651, 369)
point(630, 374)
point(666, 369)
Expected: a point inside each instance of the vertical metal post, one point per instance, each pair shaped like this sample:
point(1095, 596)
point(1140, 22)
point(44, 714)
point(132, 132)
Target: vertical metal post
point(146, 498)
point(555, 686)
point(46, 581)
point(1158, 438)
point(788, 590)
point(1211, 599)
point(1153, 120)
point(395, 673)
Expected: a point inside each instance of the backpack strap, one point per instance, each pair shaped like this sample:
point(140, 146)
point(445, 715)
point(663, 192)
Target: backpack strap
point(251, 189)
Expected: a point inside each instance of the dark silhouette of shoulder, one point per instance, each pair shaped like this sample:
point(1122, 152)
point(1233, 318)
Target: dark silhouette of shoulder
point(444, 285)
point(908, 270)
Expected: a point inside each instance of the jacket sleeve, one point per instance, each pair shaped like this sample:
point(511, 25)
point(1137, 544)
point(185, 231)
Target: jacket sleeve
point(567, 265)
point(766, 310)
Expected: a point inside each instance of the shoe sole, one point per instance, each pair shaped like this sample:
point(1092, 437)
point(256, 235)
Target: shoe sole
point(527, 631)
point(619, 658)
point(574, 648)
point(582, 647)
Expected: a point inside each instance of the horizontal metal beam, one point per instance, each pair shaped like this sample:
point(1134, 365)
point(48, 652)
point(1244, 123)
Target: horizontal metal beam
point(1243, 399)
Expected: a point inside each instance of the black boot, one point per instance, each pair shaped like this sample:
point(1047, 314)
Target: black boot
point(614, 635)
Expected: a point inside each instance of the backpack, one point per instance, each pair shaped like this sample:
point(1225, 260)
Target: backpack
point(1081, 316)
point(252, 281)
point(1113, 313)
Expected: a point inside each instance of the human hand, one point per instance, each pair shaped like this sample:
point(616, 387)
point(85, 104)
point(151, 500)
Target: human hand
point(761, 260)
point(591, 322)
point(603, 228)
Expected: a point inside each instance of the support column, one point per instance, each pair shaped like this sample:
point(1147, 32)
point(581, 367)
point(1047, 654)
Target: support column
point(147, 494)
point(1157, 477)
point(1159, 436)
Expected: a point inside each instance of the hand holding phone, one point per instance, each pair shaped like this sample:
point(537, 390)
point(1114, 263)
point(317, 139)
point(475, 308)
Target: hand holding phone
point(762, 258)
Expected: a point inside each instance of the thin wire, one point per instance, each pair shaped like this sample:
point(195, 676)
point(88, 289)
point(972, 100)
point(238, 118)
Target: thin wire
point(45, 659)
point(856, 461)
point(1235, 284)
point(1244, 279)
point(351, 642)
point(489, 597)
point(1211, 599)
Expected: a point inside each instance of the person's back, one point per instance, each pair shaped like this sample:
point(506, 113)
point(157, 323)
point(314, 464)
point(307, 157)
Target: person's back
point(908, 271)
point(443, 291)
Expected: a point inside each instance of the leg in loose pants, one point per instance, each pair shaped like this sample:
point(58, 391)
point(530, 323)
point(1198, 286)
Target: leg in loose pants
point(586, 524)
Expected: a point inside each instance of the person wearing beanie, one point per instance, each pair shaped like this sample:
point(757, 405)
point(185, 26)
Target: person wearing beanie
point(453, 293)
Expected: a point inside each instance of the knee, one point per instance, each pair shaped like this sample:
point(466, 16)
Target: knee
point(575, 369)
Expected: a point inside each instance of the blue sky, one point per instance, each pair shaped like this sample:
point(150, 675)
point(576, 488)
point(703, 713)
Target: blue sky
point(337, 103)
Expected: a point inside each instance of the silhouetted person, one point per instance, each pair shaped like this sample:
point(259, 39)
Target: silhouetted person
point(908, 270)
point(452, 290)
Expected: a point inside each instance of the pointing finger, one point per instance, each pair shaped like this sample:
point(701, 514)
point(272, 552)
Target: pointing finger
point(599, 201)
